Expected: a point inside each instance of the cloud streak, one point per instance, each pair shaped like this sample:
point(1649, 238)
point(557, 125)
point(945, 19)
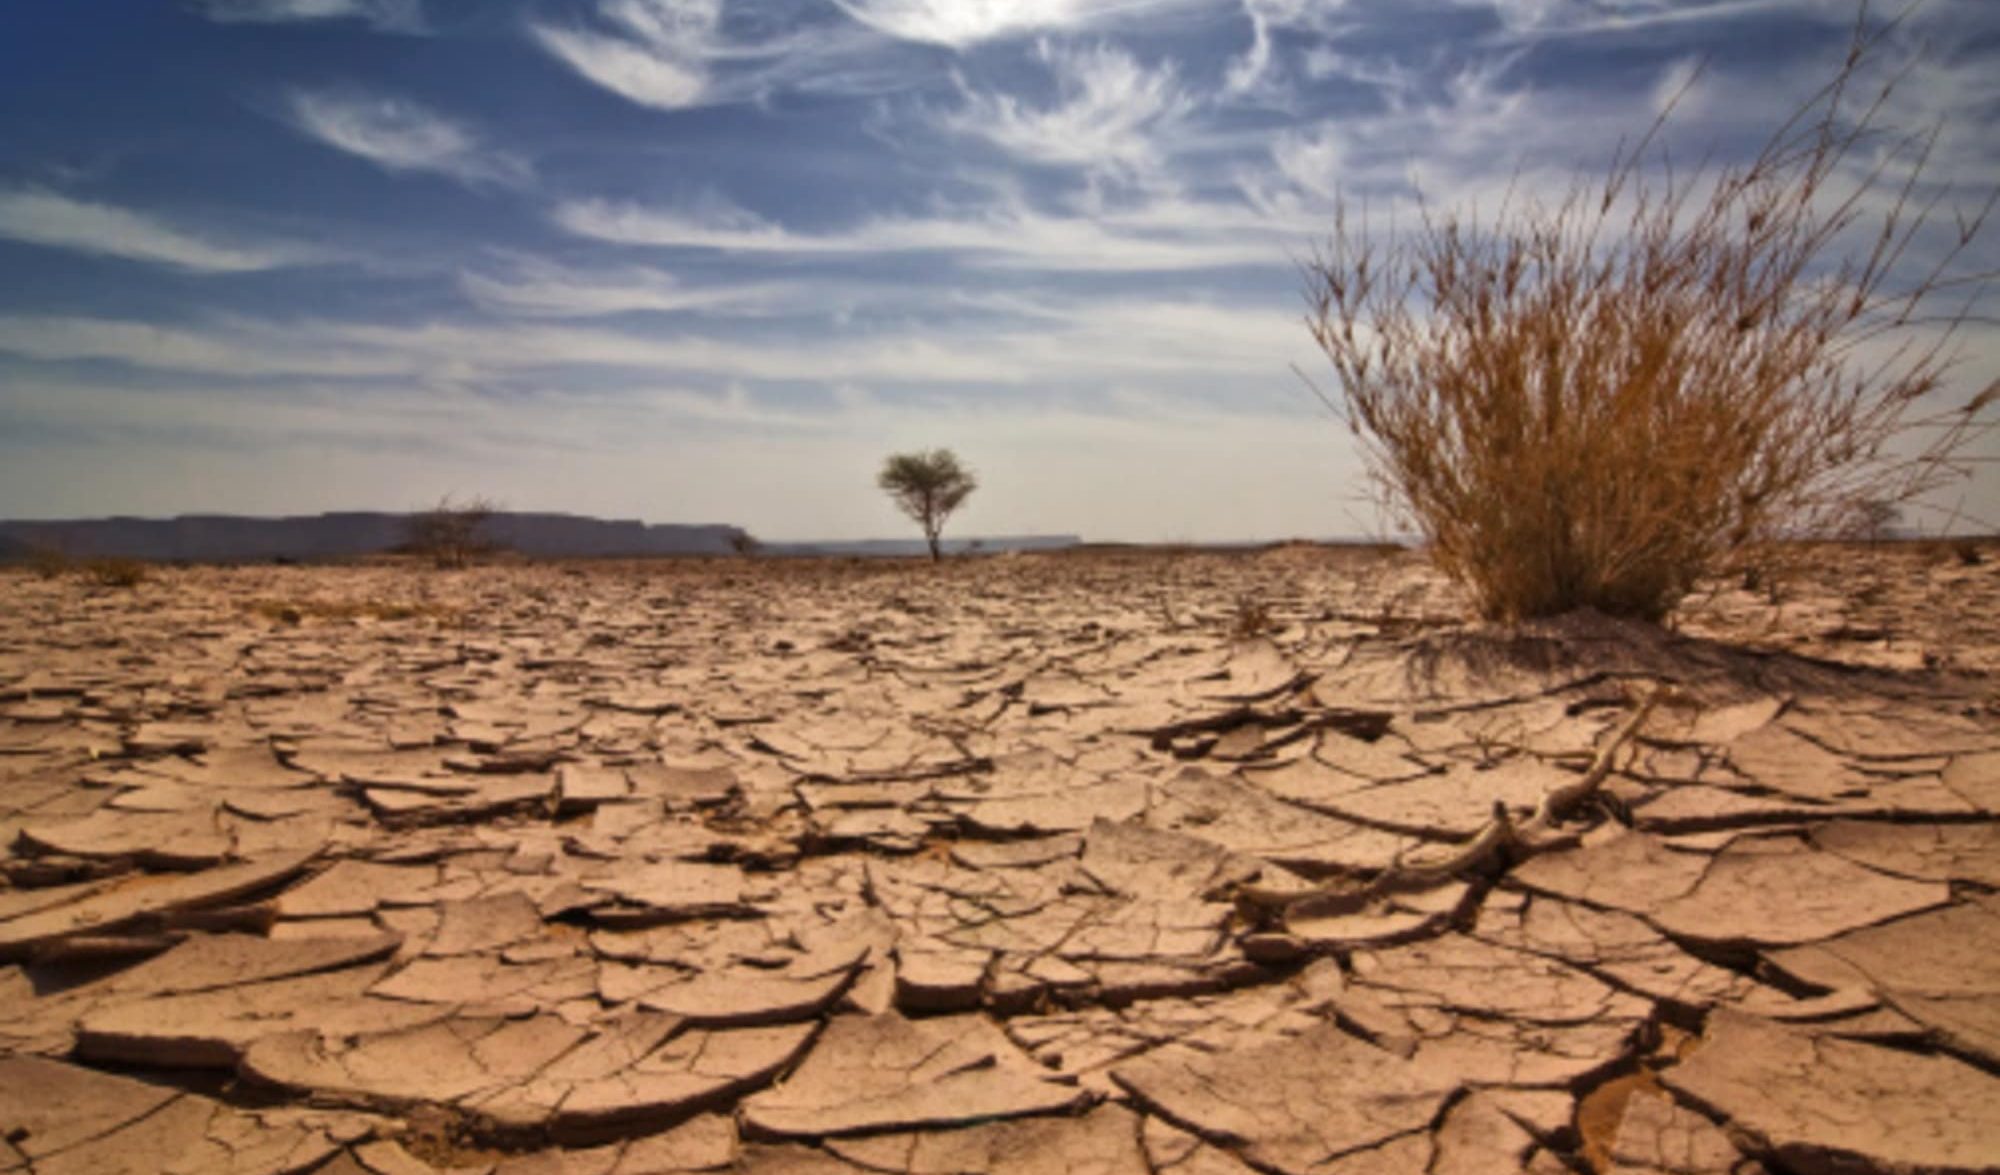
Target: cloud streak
point(1110, 113)
point(655, 53)
point(532, 288)
point(389, 16)
point(1007, 236)
point(983, 341)
point(59, 222)
point(398, 135)
point(677, 55)
point(960, 24)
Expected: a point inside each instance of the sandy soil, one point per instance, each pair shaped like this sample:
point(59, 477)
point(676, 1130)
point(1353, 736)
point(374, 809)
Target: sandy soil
point(1115, 863)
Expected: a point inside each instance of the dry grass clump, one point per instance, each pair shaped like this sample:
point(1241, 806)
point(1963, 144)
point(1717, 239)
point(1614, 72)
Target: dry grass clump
point(1251, 619)
point(116, 572)
point(1964, 551)
point(1601, 401)
point(48, 562)
point(448, 534)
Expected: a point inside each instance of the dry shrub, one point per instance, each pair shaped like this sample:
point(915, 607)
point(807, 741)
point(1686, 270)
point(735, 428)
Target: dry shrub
point(448, 534)
point(1599, 401)
point(1251, 619)
point(116, 572)
point(48, 562)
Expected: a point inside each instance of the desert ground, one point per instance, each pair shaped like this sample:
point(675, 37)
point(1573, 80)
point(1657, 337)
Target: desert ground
point(1108, 862)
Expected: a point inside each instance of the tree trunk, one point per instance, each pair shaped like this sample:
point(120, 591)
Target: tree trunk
point(937, 555)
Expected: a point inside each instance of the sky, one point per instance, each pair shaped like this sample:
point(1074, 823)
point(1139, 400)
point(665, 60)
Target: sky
point(711, 260)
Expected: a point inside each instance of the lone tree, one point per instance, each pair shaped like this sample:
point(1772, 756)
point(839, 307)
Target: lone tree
point(448, 534)
point(1660, 376)
point(927, 487)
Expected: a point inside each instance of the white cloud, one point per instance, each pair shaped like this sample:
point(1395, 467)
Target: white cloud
point(675, 54)
point(389, 16)
point(399, 135)
point(958, 24)
point(45, 218)
point(1456, 137)
point(1109, 114)
point(1471, 134)
point(656, 57)
point(1545, 18)
point(160, 348)
point(1252, 70)
point(533, 288)
point(633, 71)
point(1158, 237)
point(977, 341)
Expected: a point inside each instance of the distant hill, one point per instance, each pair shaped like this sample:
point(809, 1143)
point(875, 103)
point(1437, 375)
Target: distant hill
point(229, 538)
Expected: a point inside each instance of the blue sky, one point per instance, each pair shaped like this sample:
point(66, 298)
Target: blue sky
point(709, 260)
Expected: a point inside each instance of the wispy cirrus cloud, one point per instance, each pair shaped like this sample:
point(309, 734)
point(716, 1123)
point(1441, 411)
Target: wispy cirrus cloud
point(959, 24)
point(1154, 238)
point(1253, 70)
point(149, 346)
point(981, 341)
point(399, 135)
point(652, 52)
point(389, 16)
point(1109, 113)
point(677, 55)
point(60, 222)
point(1554, 18)
point(533, 288)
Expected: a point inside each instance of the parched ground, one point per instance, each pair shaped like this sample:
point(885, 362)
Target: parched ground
point(1117, 863)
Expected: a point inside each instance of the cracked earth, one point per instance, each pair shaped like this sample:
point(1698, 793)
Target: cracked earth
point(877, 867)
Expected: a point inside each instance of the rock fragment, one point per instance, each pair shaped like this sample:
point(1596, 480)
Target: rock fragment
point(883, 1073)
point(1925, 852)
point(121, 905)
point(212, 1029)
point(1296, 1105)
point(1104, 1141)
point(1781, 892)
point(1936, 968)
point(1817, 1102)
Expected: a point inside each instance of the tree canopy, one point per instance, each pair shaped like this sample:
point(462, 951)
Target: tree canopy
point(927, 486)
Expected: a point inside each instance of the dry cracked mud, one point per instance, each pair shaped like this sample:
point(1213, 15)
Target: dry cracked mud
point(1107, 863)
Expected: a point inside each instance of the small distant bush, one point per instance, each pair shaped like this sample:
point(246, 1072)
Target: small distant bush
point(745, 544)
point(1252, 618)
point(1665, 373)
point(448, 534)
point(47, 562)
point(116, 573)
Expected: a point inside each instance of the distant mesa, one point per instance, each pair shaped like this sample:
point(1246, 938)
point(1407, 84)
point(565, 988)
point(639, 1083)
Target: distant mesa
point(219, 538)
point(226, 537)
